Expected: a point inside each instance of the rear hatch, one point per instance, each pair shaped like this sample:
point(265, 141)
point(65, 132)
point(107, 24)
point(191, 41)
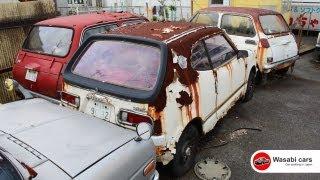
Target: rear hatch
point(115, 75)
point(282, 42)
point(38, 66)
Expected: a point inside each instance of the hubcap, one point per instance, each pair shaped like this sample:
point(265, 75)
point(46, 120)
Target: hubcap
point(187, 153)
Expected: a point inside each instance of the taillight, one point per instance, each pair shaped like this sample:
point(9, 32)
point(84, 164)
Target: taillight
point(132, 118)
point(70, 99)
point(264, 43)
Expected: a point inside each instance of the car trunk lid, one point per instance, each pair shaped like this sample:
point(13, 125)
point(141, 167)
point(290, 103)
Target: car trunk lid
point(73, 140)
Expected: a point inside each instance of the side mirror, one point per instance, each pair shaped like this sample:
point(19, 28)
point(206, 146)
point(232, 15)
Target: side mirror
point(242, 54)
point(144, 131)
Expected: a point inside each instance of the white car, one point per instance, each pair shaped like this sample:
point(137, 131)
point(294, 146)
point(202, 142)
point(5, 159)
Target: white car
point(181, 77)
point(41, 140)
point(261, 31)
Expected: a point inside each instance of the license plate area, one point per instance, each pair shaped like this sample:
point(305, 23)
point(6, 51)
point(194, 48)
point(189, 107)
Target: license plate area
point(31, 75)
point(101, 110)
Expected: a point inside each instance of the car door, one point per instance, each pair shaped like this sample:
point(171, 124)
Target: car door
point(240, 28)
point(207, 80)
point(230, 71)
point(281, 41)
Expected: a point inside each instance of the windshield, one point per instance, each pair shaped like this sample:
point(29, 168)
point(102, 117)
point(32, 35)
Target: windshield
point(206, 18)
point(49, 40)
point(121, 63)
point(273, 24)
point(7, 170)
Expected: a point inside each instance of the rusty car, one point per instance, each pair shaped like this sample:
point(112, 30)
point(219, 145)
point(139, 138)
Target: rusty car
point(42, 140)
point(264, 32)
point(51, 43)
point(182, 77)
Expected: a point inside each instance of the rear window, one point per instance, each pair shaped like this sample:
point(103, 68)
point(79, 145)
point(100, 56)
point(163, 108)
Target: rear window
point(121, 63)
point(206, 18)
point(238, 25)
point(273, 24)
point(49, 40)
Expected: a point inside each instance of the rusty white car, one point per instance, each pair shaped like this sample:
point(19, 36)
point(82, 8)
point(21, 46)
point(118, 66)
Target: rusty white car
point(42, 140)
point(264, 32)
point(181, 77)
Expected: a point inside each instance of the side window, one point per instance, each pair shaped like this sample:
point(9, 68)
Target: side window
point(7, 170)
point(206, 18)
point(130, 23)
point(199, 58)
point(97, 30)
point(238, 25)
point(219, 49)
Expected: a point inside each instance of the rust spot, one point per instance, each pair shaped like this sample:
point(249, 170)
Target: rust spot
point(261, 56)
point(157, 127)
point(184, 99)
point(157, 119)
point(157, 35)
point(196, 98)
point(189, 113)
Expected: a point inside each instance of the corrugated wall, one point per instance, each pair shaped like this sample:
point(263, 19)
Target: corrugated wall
point(15, 22)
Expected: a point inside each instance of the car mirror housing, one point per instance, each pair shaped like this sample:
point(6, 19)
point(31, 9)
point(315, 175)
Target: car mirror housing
point(144, 131)
point(242, 54)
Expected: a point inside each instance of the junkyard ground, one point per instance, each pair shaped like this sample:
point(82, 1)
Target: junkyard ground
point(284, 114)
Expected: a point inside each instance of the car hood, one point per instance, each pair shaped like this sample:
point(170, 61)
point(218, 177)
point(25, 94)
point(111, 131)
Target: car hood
point(71, 140)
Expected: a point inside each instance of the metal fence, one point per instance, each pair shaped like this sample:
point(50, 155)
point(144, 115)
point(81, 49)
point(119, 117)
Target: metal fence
point(180, 12)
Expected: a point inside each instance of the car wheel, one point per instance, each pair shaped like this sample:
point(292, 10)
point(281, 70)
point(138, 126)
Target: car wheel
point(250, 88)
point(186, 151)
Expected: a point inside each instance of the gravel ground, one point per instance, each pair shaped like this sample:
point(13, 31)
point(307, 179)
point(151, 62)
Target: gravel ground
point(284, 114)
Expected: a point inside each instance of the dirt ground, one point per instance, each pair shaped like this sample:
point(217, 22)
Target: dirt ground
point(284, 114)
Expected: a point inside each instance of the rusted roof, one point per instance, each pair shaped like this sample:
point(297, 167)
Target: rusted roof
point(255, 12)
point(178, 35)
point(84, 20)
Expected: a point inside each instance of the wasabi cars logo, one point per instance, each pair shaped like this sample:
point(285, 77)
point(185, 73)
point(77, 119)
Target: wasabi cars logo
point(261, 161)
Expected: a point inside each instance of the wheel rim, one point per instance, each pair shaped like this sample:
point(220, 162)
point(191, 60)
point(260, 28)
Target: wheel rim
point(186, 153)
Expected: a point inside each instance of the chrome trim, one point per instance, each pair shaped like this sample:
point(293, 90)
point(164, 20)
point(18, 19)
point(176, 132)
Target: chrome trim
point(54, 101)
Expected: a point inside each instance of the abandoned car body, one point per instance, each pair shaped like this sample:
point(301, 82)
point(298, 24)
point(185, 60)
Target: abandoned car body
point(51, 44)
point(261, 31)
point(41, 140)
point(181, 77)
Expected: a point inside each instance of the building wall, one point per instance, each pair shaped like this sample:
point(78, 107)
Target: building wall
point(282, 6)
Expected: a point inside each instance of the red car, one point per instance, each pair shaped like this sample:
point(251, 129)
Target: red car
point(51, 44)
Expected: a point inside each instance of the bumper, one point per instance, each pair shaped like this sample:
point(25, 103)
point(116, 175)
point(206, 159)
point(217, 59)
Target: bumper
point(280, 64)
point(156, 175)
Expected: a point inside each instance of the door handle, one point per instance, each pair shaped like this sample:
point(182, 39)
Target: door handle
point(252, 42)
point(286, 43)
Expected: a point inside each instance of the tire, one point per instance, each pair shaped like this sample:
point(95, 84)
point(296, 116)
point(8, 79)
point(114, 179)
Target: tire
point(186, 151)
point(250, 88)
point(259, 78)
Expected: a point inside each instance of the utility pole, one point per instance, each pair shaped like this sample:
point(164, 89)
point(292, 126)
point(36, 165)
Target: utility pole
point(191, 1)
